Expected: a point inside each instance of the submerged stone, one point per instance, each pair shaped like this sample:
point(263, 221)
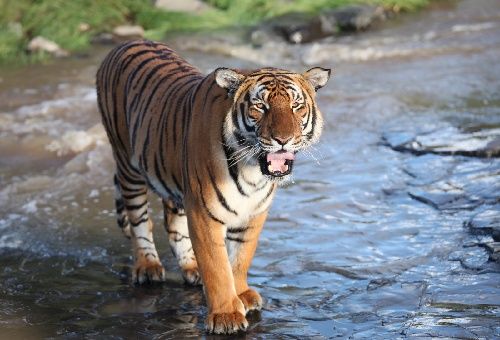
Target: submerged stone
point(484, 143)
point(486, 222)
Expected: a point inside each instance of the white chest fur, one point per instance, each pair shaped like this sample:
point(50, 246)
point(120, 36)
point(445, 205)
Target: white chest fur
point(251, 198)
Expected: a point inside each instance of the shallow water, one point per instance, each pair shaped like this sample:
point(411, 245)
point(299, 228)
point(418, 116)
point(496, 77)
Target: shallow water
point(368, 242)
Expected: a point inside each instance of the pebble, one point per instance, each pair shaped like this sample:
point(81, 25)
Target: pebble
point(128, 32)
point(41, 44)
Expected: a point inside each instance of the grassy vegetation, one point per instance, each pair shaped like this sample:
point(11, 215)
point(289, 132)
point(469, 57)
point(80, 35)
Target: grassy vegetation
point(72, 23)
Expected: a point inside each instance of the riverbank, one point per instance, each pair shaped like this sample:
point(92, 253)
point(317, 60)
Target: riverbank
point(31, 32)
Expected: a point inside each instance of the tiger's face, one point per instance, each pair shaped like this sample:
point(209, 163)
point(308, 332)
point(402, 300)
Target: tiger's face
point(274, 116)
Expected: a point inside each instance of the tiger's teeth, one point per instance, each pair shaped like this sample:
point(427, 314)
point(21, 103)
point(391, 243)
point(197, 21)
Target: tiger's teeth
point(270, 168)
point(286, 168)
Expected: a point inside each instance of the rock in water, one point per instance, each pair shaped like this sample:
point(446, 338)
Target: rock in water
point(126, 32)
point(41, 44)
point(354, 18)
point(484, 143)
point(486, 222)
point(292, 27)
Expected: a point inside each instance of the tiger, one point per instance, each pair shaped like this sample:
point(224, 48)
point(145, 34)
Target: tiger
point(214, 148)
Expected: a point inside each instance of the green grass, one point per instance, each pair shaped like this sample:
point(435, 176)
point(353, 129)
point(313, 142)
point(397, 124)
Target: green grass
point(61, 20)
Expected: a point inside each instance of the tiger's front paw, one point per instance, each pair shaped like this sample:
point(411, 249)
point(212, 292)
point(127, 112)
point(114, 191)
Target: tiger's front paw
point(226, 323)
point(192, 276)
point(148, 272)
point(251, 300)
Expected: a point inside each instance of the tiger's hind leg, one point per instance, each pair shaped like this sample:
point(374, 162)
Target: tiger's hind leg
point(121, 213)
point(176, 226)
point(137, 224)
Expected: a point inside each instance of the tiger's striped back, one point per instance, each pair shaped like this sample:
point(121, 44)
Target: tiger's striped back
point(145, 94)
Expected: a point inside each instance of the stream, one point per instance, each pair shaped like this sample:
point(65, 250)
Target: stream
point(390, 229)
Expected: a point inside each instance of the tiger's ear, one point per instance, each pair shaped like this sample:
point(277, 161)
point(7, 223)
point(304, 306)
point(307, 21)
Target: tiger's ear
point(228, 79)
point(317, 76)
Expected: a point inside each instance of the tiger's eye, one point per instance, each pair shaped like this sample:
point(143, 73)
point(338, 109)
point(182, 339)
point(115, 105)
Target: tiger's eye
point(295, 105)
point(259, 106)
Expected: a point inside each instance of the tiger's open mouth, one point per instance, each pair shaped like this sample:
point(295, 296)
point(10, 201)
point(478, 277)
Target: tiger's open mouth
point(277, 164)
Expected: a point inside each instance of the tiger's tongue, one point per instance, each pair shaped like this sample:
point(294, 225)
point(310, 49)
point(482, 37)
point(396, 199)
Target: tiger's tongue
point(276, 161)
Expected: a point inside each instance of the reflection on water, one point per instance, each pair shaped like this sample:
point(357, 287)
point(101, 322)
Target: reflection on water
point(366, 242)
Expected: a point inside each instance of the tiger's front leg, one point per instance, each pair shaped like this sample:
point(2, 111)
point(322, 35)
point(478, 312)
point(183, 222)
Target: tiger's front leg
point(242, 243)
point(226, 312)
point(176, 225)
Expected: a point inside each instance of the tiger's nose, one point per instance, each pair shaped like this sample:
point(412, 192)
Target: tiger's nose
point(282, 140)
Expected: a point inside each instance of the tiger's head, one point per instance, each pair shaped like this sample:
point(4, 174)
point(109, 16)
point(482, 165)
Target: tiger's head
point(274, 115)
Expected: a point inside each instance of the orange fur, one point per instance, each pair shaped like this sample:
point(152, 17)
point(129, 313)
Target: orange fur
point(184, 136)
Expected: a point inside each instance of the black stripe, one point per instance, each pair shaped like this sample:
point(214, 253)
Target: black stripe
point(135, 206)
point(313, 124)
point(220, 196)
point(140, 219)
point(178, 236)
point(237, 230)
point(188, 82)
point(271, 189)
point(233, 169)
point(160, 179)
point(176, 182)
point(235, 239)
point(128, 179)
point(140, 98)
point(144, 154)
point(135, 195)
point(209, 213)
point(122, 222)
point(188, 121)
point(136, 224)
point(249, 128)
point(144, 238)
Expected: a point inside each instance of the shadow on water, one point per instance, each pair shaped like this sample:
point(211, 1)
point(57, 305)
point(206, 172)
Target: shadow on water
point(390, 228)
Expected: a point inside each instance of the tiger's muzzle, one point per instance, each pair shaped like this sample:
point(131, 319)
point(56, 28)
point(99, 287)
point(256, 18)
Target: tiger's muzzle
point(277, 164)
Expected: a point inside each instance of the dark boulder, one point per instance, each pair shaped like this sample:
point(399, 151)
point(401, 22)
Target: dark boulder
point(353, 18)
point(299, 28)
point(291, 27)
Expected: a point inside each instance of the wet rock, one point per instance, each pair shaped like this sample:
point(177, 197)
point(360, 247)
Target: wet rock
point(444, 197)
point(380, 282)
point(469, 184)
point(291, 27)
point(486, 222)
point(41, 44)
point(126, 32)
point(264, 35)
point(484, 143)
point(103, 38)
point(298, 28)
point(353, 18)
point(83, 27)
point(494, 249)
point(471, 258)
